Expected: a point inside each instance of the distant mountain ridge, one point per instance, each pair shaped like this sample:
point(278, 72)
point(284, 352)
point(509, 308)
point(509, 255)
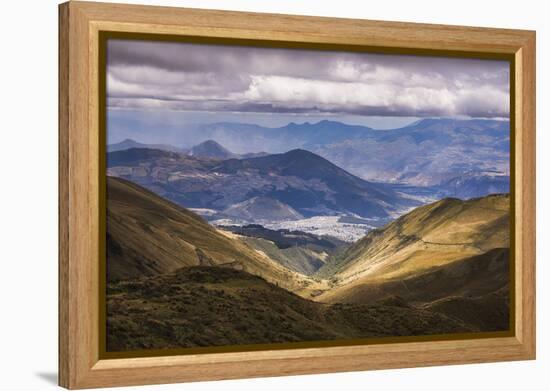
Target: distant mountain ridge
point(129, 144)
point(472, 185)
point(304, 182)
point(283, 138)
point(208, 149)
point(427, 152)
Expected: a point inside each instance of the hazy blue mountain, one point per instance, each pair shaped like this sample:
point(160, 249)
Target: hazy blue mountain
point(328, 187)
point(252, 154)
point(208, 148)
point(129, 143)
point(475, 185)
point(427, 152)
point(299, 180)
point(245, 138)
point(212, 149)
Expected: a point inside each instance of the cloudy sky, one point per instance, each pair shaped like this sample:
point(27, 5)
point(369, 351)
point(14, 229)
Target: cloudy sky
point(273, 86)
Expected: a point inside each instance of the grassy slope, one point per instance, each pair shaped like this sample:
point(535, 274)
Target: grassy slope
point(474, 276)
point(475, 290)
point(213, 306)
point(431, 235)
point(148, 235)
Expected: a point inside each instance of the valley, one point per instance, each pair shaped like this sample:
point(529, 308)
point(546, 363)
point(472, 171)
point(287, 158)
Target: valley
point(174, 280)
point(295, 190)
point(211, 247)
point(272, 194)
point(149, 236)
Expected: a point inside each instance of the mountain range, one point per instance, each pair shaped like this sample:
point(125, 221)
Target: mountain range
point(425, 153)
point(212, 149)
point(429, 152)
point(472, 184)
point(129, 144)
point(214, 244)
point(290, 185)
point(208, 149)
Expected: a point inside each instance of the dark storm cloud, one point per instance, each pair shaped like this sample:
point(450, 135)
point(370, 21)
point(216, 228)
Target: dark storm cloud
point(175, 76)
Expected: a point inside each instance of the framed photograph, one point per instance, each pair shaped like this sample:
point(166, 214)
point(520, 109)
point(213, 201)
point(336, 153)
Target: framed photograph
point(247, 195)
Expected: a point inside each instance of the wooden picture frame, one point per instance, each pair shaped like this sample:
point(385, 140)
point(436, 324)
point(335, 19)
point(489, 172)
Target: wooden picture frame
point(80, 26)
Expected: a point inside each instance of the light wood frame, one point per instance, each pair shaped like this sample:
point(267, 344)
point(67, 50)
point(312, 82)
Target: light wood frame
point(79, 25)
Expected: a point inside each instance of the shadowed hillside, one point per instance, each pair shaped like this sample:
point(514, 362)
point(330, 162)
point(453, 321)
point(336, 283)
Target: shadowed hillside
point(470, 277)
point(475, 290)
point(213, 306)
point(297, 183)
point(301, 259)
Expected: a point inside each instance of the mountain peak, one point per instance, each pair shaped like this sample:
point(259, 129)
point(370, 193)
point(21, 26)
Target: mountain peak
point(298, 151)
point(330, 122)
point(211, 149)
point(210, 143)
point(302, 154)
point(129, 143)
